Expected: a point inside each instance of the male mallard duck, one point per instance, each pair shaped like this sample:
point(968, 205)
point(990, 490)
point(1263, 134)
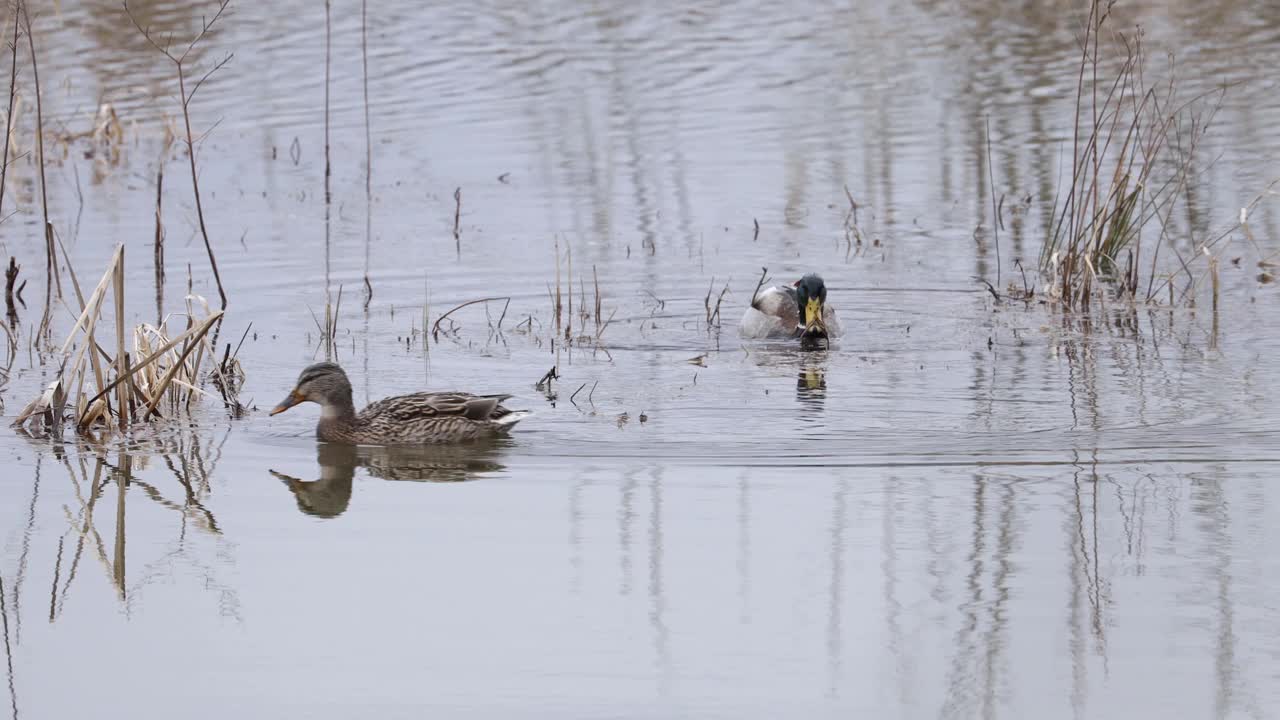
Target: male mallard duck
point(421, 418)
point(791, 311)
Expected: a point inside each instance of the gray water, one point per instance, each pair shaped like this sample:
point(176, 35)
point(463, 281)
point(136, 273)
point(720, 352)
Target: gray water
point(961, 509)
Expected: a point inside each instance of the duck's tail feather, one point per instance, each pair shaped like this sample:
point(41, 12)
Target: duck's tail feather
point(506, 422)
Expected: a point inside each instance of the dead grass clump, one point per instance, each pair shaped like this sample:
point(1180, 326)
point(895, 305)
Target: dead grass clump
point(161, 373)
point(1132, 147)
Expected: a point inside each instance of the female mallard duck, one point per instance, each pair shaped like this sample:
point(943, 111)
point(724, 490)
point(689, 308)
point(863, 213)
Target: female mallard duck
point(795, 311)
point(421, 418)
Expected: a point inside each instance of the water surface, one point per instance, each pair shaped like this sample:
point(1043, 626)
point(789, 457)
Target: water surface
point(961, 509)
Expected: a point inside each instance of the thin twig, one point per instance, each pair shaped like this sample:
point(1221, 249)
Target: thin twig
point(457, 219)
point(8, 118)
point(764, 273)
point(991, 178)
point(185, 98)
point(368, 152)
point(51, 257)
point(990, 288)
point(328, 196)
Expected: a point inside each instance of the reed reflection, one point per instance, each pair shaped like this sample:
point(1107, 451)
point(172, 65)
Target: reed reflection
point(330, 495)
point(92, 468)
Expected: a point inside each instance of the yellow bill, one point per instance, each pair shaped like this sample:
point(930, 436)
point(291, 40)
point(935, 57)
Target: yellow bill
point(813, 315)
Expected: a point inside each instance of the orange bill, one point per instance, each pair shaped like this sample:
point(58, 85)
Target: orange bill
point(293, 399)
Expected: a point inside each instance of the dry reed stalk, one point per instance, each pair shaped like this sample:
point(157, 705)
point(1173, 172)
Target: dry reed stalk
point(11, 352)
point(426, 308)
point(191, 342)
point(557, 304)
point(51, 259)
point(8, 118)
point(605, 326)
point(49, 404)
point(596, 279)
point(122, 369)
point(158, 247)
point(328, 195)
point(1113, 192)
point(1213, 275)
point(192, 339)
point(457, 220)
point(568, 329)
point(95, 358)
point(713, 312)
point(10, 278)
point(368, 152)
point(764, 277)
point(995, 212)
point(135, 383)
point(186, 98)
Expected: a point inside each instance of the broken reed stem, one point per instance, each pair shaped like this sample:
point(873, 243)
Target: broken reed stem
point(8, 118)
point(191, 337)
point(192, 342)
point(95, 358)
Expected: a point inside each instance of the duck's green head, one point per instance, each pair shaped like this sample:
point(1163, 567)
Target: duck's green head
point(811, 296)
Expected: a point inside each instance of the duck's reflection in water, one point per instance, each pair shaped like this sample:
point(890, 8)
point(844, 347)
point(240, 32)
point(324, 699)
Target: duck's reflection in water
point(811, 384)
point(329, 496)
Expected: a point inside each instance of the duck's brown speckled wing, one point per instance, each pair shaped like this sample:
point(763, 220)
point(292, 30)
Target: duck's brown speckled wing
point(419, 406)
